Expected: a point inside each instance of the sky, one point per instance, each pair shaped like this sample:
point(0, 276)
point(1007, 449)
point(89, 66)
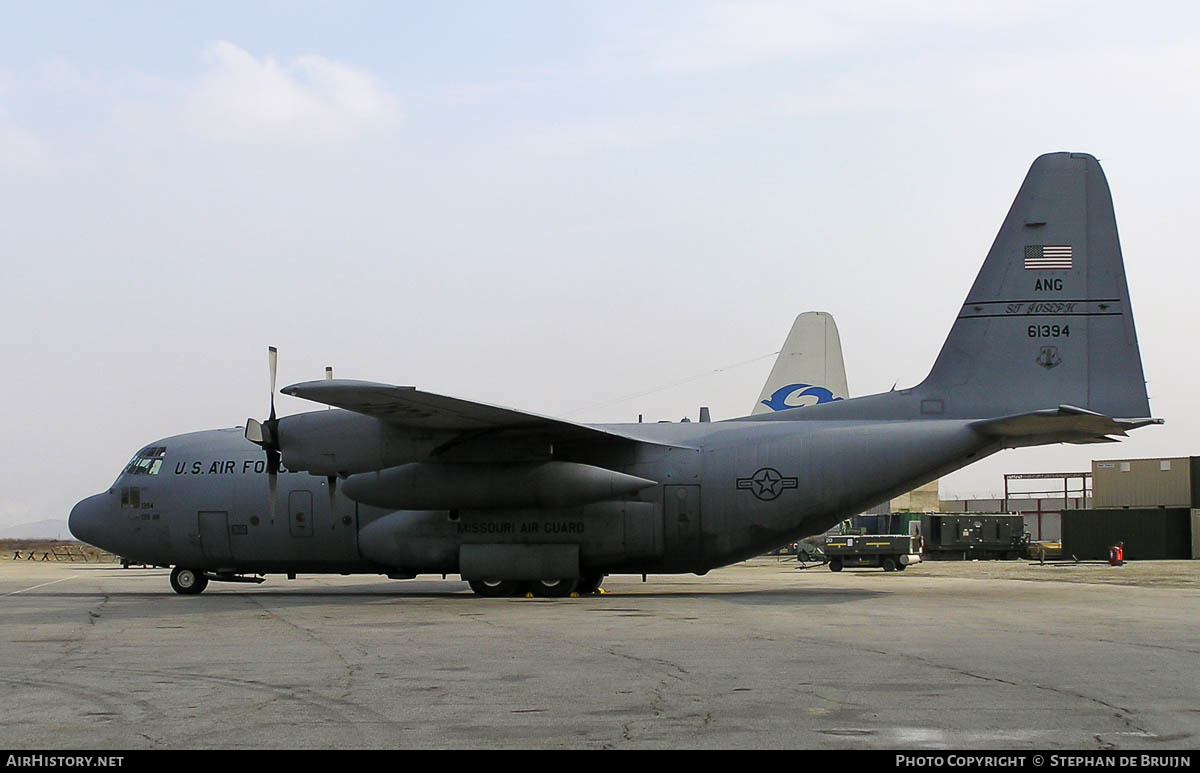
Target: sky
point(587, 210)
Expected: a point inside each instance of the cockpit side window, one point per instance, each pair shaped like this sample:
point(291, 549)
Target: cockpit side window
point(131, 497)
point(148, 461)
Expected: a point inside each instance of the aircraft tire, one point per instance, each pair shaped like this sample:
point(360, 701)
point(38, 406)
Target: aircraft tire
point(553, 589)
point(188, 582)
point(835, 564)
point(589, 585)
point(495, 588)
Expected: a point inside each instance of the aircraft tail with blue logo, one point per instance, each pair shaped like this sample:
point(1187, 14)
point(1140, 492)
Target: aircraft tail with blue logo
point(809, 369)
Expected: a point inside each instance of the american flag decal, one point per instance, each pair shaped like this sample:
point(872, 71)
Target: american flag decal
point(1047, 257)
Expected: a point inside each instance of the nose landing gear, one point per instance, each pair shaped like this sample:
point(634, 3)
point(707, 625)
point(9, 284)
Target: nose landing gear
point(187, 581)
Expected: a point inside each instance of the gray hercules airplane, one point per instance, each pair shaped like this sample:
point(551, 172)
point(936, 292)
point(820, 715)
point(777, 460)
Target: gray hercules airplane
point(403, 482)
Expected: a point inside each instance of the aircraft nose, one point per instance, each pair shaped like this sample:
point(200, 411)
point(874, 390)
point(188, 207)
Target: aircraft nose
point(86, 521)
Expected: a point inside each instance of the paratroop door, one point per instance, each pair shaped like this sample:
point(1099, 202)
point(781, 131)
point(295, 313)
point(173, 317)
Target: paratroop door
point(214, 536)
point(681, 521)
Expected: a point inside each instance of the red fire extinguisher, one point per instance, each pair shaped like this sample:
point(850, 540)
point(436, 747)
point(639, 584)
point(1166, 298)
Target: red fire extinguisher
point(1116, 554)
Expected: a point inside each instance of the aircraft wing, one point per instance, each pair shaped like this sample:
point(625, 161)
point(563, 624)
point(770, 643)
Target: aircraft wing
point(1065, 423)
point(407, 406)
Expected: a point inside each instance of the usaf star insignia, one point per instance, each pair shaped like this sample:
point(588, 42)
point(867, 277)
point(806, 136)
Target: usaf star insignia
point(767, 483)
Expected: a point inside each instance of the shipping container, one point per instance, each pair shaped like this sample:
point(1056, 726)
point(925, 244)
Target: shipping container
point(1159, 482)
point(1148, 533)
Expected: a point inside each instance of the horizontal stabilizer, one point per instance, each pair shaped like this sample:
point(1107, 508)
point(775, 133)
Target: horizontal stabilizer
point(1064, 424)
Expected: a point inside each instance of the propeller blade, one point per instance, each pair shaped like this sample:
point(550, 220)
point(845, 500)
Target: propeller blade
point(272, 483)
point(273, 364)
point(332, 509)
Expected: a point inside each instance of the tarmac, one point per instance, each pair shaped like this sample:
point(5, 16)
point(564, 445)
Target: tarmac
point(950, 655)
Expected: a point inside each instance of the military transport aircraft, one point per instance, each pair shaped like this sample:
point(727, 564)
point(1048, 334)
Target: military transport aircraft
point(405, 482)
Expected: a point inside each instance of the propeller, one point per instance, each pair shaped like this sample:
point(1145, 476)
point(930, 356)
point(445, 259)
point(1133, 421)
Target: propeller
point(266, 435)
point(331, 478)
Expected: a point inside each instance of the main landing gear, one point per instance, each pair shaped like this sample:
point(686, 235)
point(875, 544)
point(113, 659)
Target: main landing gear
point(552, 588)
point(495, 588)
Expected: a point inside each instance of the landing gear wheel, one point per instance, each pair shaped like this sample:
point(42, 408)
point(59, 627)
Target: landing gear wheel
point(889, 564)
point(835, 564)
point(589, 585)
point(495, 588)
point(553, 589)
point(189, 582)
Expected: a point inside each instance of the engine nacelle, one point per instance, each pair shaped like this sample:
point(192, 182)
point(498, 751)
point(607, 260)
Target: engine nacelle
point(493, 486)
point(344, 443)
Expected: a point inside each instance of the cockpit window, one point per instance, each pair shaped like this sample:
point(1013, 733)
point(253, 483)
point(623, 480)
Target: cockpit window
point(147, 461)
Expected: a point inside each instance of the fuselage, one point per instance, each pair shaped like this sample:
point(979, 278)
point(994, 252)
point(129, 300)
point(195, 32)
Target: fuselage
point(724, 491)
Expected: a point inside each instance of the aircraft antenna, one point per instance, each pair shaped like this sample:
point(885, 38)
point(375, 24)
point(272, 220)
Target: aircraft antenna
point(673, 384)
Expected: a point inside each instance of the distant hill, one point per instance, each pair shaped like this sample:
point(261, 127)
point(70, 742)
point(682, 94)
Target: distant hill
point(51, 528)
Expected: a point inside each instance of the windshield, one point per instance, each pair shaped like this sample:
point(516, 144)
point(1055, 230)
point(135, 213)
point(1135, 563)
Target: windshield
point(148, 461)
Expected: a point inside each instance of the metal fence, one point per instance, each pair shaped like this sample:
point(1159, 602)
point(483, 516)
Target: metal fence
point(71, 553)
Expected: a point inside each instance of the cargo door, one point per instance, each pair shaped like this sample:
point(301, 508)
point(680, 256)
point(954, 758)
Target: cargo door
point(681, 521)
point(214, 537)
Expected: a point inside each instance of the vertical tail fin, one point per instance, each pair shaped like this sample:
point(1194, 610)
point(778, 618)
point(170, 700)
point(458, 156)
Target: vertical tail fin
point(1048, 321)
point(809, 368)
